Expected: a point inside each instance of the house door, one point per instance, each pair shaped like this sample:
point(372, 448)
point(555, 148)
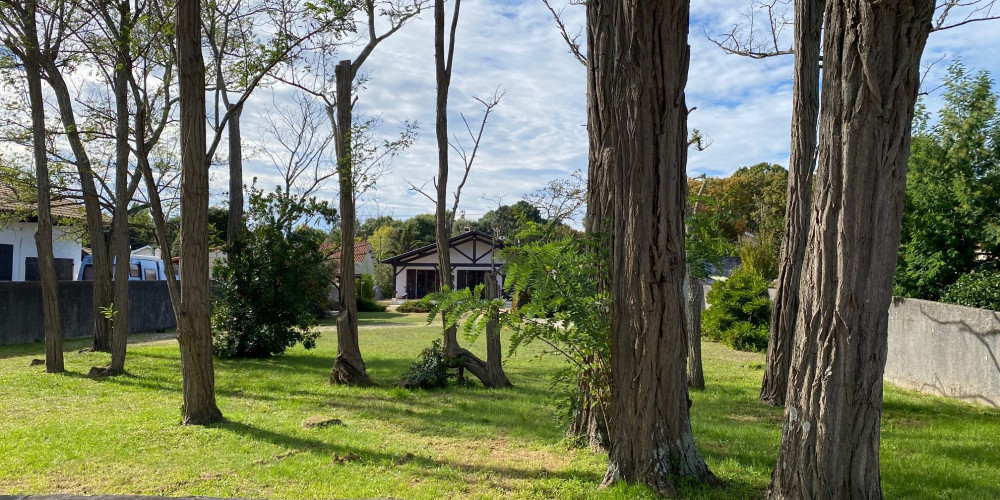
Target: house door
point(6, 262)
point(420, 282)
point(470, 279)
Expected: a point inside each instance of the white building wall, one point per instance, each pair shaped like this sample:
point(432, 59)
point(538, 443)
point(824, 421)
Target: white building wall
point(22, 236)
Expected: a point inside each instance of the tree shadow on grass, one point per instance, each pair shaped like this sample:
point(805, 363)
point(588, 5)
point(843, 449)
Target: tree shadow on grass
point(429, 466)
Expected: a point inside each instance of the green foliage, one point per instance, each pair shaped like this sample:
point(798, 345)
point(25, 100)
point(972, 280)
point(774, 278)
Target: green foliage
point(951, 218)
point(704, 243)
point(759, 254)
point(431, 371)
point(414, 306)
point(369, 305)
point(273, 283)
point(384, 279)
point(739, 311)
point(977, 289)
point(508, 220)
point(367, 287)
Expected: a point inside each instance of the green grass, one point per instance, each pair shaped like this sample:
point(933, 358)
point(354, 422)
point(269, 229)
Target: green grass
point(67, 433)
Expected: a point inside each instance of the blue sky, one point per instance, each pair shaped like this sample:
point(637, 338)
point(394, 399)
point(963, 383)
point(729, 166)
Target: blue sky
point(537, 133)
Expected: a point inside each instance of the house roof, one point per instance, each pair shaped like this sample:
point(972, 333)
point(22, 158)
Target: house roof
point(360, 249)
point(432, 248)
point(60, 208)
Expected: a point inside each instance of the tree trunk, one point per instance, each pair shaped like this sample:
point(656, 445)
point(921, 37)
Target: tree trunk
point(805, 113)
point(590, 424)
point(193, 326)
point(696, 303)
point(494, 351)
point(120, 236)
point(830, 439)
point(639, 71)
point(234, 227)
point(43, 234)
point(91, 204)
point(349, 367)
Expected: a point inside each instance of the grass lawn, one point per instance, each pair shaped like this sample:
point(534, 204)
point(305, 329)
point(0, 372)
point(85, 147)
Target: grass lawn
point(70, 434)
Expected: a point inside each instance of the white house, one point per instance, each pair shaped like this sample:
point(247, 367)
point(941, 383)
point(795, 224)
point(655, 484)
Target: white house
point(18, 253)
point(473, 254)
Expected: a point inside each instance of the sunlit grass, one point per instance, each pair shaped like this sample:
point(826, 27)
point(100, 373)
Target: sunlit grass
point(70, 434)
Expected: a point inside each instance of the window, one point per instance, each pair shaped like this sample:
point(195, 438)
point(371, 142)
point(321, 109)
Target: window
point(64, 269)
point(470, 279)
point(150, 275)
point(133, 271)
point(88, 273)
point(6, 262)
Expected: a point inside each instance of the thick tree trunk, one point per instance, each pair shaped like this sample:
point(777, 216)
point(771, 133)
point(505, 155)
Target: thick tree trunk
point(120, 237)
point(695, 304)
point(234, 228)
point(494, 351)
point(639, 71)
point(590, 424)
point(193, 326)
point(91, 204)
point(805, 113)
point(830, 439)
point(43, 234)
point(349, 367)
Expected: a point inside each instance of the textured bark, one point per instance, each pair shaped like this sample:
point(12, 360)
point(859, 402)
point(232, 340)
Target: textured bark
point(349, 367)
point(830, 439)
point(234, 227)
point(696, 303)
point(43, 233)
point(91, 204)
point(805, 113)
point(639, 71)
point(193, 327)
point(494, 351)
point(590, 424)
point(119, 227)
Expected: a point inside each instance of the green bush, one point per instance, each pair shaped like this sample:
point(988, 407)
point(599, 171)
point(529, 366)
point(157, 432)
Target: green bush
point(272, 284)
point(431, 371)
point(367, 287)
point(976, 289)
point(739, 313)
point(369, 305)
point(414, 306)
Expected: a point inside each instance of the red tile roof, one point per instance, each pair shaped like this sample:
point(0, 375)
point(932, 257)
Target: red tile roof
point(360, 249)
point(60, 208)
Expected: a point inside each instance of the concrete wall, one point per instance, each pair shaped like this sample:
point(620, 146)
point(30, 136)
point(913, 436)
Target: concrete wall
point(21, 309)
point(945, 349)
point(21, 235)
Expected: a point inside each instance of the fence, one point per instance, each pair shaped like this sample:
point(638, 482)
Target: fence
point(943, 349)
point(21, 309)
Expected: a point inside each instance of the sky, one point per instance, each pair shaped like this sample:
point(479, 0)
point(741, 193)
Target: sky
point(538, 133)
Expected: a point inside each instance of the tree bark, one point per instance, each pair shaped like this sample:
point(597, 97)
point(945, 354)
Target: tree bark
point(43, 233)
point(120, 236)
point(494, 351)
point(91, 204)
point(193, 326)
point(805, 113)
point(590, 424)
point(349, 367)
point(696, 303)
point(830, 438)
point(234, 228)
point(639, 71)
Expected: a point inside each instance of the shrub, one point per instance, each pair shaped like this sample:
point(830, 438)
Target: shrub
point(740, 311)
point(367, 285)
point(976, 289)
point(431, 371)
point(270, 287)
point(369, 305)
point(414, 306)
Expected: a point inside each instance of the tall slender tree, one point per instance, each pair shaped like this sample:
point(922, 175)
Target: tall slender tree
point(830, 439)
point(805, 113)
point(193, 327)
point(19, 32)
point(638, 66)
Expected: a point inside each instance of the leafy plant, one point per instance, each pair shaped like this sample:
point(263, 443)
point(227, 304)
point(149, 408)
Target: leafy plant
point(431, 371)
point(414, 306)
point(274, 281)
point(369, 305)
point(977, 289)
point(739, 311)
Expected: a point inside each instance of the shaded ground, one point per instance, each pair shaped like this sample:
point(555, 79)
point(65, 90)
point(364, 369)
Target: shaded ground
point(291, 435)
